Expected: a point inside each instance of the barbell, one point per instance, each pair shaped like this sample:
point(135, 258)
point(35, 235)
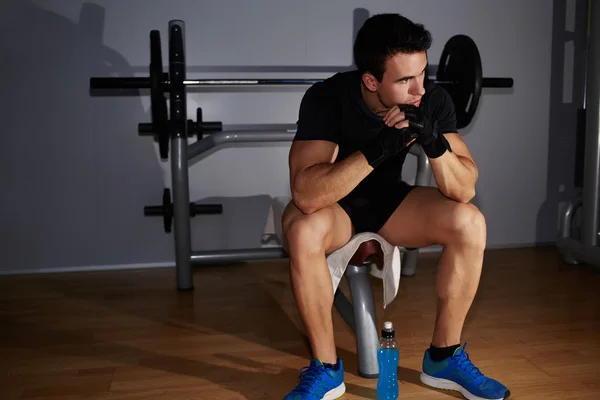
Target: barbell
point(459, 72)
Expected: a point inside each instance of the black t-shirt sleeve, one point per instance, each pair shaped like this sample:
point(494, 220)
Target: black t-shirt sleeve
point(318, 118)
point(442, 110)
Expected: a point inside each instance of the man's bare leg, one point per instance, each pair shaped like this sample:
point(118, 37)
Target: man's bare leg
point(308, 238)
point(426, 217)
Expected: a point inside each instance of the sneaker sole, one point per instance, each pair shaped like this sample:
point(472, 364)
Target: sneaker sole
point(445, 384)
point(336, 393)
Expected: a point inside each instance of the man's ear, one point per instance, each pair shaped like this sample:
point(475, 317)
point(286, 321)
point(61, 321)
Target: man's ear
point(370, 82)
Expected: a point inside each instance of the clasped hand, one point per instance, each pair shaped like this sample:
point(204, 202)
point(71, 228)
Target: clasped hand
point(404, 125)
point(412, 118)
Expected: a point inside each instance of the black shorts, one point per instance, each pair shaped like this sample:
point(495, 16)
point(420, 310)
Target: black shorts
point(370, 210)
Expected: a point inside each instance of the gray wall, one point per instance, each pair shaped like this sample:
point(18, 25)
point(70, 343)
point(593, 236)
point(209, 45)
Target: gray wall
point(76, 176)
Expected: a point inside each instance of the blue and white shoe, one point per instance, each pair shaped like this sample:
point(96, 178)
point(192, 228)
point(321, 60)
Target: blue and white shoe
point(318, 382)
point(459, 374)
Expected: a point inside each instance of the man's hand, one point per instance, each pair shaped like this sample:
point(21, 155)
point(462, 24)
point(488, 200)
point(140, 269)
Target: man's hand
point(395, 118)
point(433, 143)
point(389, 142)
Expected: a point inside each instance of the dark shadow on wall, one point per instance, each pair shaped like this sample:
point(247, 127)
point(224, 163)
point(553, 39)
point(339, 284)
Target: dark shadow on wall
point(567, 84)
point(75, 173)
point(359, 16)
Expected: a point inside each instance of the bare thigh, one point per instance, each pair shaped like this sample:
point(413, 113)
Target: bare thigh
point(330, 225)
point(426, 217)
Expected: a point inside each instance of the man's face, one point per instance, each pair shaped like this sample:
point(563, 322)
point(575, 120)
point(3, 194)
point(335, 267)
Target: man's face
point(402, 81)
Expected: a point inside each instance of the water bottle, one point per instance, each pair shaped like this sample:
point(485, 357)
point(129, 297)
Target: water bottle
point(388, 356)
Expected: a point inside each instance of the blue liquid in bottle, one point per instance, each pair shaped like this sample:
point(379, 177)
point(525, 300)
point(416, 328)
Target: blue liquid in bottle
point(388, 357)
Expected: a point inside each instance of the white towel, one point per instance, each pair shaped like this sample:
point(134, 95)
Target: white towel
point(338, 260)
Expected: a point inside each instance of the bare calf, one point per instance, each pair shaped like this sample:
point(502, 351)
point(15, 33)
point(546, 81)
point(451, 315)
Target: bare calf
point(425, 218)
point(308, 240)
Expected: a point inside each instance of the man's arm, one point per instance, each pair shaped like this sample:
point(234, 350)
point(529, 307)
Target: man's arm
point(316, 181)
point(455, 172)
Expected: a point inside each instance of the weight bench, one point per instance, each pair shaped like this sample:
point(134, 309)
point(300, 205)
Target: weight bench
point(360, 312)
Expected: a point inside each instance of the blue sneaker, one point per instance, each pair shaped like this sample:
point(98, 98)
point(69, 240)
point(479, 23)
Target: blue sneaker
point(318, 382)
point(459, 374)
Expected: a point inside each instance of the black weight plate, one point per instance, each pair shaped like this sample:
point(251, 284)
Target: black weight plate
point(460, 65)
point(177, 96)
point(158, 102)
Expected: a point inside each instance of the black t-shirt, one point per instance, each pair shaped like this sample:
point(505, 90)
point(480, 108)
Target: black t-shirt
point(334, 110)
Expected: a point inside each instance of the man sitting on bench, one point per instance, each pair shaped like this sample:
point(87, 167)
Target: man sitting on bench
point(354, 132)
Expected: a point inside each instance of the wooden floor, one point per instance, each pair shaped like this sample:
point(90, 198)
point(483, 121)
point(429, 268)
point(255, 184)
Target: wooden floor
point(535, 326)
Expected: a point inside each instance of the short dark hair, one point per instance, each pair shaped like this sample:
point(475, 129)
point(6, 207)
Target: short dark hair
point(385, 35)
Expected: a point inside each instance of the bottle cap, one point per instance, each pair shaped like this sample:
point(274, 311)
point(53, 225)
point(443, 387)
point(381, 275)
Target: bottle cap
point(388, 330)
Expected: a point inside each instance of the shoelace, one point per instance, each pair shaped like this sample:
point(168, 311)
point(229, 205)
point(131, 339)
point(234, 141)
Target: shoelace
point(466, 365)
point(310, 379)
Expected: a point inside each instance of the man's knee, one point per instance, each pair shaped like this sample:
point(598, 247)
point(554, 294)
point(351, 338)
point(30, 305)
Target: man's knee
point(304, 233)
point(468, 226)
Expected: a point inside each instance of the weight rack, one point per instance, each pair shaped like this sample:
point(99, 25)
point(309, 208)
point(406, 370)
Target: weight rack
point(181, 153)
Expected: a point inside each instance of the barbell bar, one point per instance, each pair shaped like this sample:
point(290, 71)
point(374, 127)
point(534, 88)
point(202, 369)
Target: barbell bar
point(113, 83)
point(459, 72)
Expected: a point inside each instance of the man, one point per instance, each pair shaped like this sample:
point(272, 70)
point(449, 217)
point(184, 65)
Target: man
point(354, 132)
